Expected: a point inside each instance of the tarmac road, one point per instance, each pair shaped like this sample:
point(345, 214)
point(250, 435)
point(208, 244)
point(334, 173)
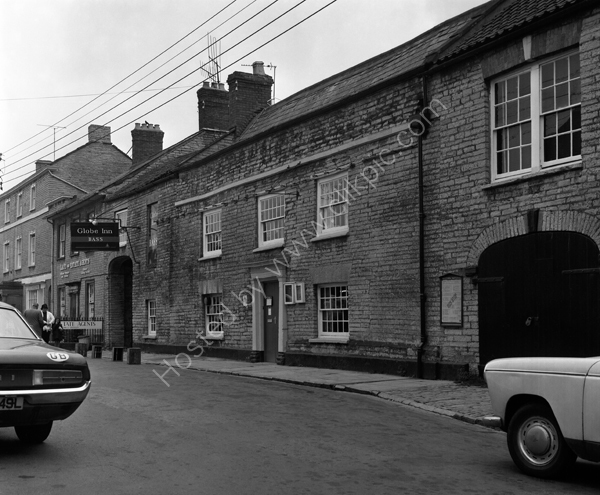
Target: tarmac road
point(219, 433)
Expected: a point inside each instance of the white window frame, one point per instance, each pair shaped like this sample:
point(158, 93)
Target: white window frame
point(19, 204)
point(6, 257)
point(332, 204)
point(271, 210)
point(32, 197)
point(213, 315)
point(121, 217)
point(18, 253)
point(212, 237)
point(293, 292)
point(31, 257)
point(7, 211)
point(327, 323)
point(62, 240)
point(536, 120)
point(32, 297)
point(151, 317)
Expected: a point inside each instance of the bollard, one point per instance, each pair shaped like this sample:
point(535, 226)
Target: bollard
point(81, 349)
point(96, 351)
point(117, 354)
point(134, 355)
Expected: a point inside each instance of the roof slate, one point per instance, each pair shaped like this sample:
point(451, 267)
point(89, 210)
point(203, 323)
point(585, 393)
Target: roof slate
point(502, 19)
point(393, 63)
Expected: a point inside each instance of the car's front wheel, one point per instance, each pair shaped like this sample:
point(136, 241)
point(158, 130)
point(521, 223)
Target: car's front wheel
point(536, 444)
point(33, 433)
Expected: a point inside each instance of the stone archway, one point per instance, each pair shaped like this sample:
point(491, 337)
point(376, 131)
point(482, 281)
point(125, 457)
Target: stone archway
point(120, 302)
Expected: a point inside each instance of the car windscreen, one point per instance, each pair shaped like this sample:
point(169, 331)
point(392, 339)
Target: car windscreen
point(13, 326)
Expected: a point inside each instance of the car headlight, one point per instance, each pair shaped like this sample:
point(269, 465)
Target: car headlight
point(56, 377)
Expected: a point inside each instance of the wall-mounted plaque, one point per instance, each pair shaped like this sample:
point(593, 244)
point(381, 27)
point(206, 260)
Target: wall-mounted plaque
point(451, 300)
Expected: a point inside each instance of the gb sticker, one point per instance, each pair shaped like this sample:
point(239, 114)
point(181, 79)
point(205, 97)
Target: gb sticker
point(58, 356)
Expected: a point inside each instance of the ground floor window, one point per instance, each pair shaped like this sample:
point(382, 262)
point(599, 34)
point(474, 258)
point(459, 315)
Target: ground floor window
point(74, 305)
point(62, 301)
point(151, 312)
point(32, 298)
point(90, 300)
point(213, 305)
point(333, 311)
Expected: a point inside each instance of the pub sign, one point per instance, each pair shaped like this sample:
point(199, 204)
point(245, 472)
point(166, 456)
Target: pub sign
point(85, 236)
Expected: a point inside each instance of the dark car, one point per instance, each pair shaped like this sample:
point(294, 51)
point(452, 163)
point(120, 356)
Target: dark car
point(39, 383)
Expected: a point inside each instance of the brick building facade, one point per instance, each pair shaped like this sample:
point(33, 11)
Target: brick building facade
point(420, 213)
point(26, 236)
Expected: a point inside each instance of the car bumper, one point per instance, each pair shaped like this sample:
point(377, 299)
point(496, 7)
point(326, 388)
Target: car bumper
point(43, 406)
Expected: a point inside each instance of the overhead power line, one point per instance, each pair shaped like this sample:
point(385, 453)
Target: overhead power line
point(226, 67)
point(147, 86)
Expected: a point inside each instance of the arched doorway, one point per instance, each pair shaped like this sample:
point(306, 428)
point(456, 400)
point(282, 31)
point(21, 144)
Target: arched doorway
point(120, 291)
point(539, 295)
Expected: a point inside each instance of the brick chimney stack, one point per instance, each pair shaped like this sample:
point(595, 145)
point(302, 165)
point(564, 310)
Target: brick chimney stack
point(248, 93)
point(99, 133)
point(42, 164)
point(213, 106)
point(146, 141)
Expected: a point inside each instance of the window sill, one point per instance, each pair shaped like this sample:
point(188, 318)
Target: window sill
point(329, 340)
point(330, 235)
point(213, 337)
point(267, 247)
point(149, 337)
point(534, 175)
point(210, 257)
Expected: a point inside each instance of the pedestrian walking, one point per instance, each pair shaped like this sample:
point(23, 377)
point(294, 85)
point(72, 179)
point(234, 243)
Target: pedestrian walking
point(48, 320)
point(34, 317)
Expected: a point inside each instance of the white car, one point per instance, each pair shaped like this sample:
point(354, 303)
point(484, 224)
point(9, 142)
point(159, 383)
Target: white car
point(550, 409)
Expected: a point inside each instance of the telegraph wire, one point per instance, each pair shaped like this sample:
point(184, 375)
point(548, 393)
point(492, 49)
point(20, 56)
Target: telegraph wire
point(132, 73)
point(136, 92)
point(156, 80)
point(226, 67)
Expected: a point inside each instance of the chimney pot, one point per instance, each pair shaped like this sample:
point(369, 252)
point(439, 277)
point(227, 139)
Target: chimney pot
point(258, 68)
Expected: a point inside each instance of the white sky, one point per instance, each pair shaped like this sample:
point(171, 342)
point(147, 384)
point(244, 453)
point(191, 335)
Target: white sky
point(54, 51)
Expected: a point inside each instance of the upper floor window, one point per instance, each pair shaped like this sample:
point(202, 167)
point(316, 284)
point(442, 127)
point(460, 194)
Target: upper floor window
point(536, 118)
point(121, 217)
point(32, 193)
point(7, 211)
point(20, 204)
point(211, 242)
point(271, 217)
point(6, 257)
point(62, 239)
point(18, 253)
point(152, 235)
point(32, 249)
point(332, 205)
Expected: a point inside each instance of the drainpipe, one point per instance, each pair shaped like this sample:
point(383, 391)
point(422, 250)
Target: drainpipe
point(422, 295)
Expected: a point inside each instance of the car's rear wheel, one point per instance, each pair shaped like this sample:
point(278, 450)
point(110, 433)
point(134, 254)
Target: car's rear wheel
point(33, 433)
point(536, 443)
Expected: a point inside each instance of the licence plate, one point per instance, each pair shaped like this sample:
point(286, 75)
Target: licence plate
point(11, 403)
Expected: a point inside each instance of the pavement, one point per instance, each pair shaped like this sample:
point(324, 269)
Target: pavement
point(464, 402)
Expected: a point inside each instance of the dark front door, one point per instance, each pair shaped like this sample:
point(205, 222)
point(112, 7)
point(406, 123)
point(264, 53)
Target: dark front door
point(539, 296)
point(271, 320)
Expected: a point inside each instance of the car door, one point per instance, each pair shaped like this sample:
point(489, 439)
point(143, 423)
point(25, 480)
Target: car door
point(591, 410)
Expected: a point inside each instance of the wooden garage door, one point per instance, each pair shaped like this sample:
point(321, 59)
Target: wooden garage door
point(539, 296)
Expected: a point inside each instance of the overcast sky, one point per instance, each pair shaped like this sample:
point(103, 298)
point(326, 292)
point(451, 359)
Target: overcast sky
point(58, 57)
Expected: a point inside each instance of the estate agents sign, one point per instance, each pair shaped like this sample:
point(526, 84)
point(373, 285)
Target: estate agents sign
point(86, 236)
